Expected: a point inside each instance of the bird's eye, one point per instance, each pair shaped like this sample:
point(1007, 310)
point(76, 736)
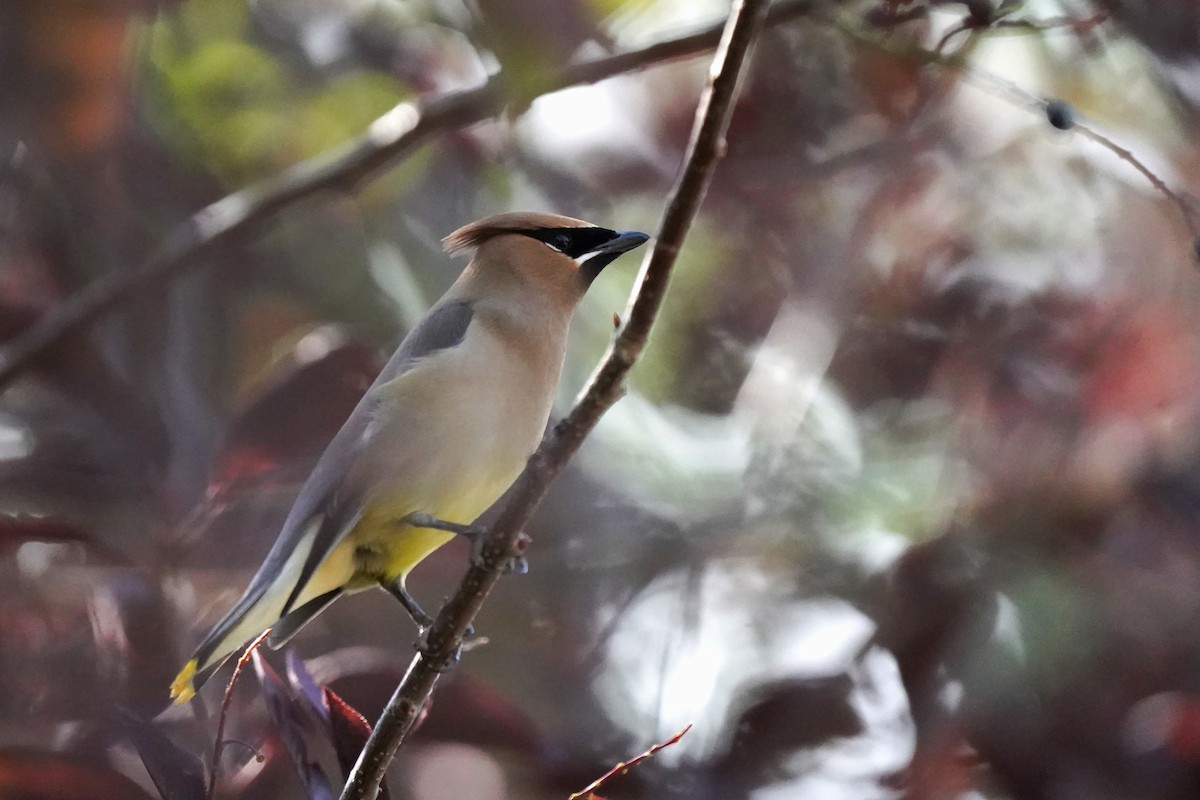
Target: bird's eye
point(560, 242)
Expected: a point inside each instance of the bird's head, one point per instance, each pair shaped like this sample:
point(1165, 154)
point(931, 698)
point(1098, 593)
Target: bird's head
point(553, 254)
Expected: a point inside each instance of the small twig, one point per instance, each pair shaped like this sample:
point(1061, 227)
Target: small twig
point(219, 744)
point(251, 749)
point(389, 138)
point(1158, 183)
point(1015, 95)
point(624, 766)
point(1003, 24)
point(746, 19)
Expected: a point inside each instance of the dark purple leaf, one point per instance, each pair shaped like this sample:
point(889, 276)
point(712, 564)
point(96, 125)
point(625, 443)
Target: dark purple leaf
point(304, 684)
point(177, 774)
point(132, 631)
point(364, 676)
point(316, 783)
point(289, 721)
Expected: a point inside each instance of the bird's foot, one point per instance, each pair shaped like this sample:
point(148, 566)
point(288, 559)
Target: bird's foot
point(516, 564)
point(468, 642)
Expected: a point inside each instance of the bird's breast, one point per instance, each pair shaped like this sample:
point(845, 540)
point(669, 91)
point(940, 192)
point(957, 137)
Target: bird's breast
point(452, 433)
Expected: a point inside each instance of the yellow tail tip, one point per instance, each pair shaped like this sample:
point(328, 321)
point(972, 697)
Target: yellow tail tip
point(181, 688)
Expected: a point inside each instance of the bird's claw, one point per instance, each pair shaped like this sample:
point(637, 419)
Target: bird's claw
point(516, 564)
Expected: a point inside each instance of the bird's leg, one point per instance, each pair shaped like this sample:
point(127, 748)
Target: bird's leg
point(397, 590)
point(419, 519)
point(477, 536)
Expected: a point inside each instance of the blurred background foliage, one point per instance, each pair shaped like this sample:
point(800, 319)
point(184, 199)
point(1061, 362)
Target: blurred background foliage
point(903, 501)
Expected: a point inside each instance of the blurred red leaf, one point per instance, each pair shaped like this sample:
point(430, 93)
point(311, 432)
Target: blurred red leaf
point(81, 46)
point(1143, 367)
point(291, 418)
point(15, 531)
point(31, 775)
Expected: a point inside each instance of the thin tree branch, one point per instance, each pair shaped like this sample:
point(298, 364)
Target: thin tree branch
point(625, 766)
point(504, 540)
point(389, 138)
point(1013, 94)
point(1186, 210)
point(220, 742)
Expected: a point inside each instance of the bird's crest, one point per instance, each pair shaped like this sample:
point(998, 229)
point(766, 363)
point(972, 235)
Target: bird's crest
point(472, 236)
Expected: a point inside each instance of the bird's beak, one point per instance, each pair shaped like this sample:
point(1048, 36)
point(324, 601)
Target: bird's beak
point(599, 257)
point(623, 242)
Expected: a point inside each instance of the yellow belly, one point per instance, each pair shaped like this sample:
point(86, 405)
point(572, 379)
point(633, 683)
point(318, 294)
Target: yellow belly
point(383, 549)
point(385, 553)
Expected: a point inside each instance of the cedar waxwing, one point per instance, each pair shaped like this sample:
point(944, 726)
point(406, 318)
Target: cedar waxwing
point(441, 434)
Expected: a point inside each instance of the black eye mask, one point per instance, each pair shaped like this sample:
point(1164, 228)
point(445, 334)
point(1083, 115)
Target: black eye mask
point(572, 242)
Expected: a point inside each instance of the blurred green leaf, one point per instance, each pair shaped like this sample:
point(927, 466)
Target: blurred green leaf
point(1059, 629)
point(607, 8)
point(689, 302)
point(343, 110)
point(237, 110)
point(223, 104)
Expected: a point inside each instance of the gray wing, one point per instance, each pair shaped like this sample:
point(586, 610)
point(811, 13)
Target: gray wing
point(329, 491)
point(445, 326)
point(330, 498)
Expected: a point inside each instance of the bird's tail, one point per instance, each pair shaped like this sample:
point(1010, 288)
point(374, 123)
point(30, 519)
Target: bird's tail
point(253, 614)
point(275, 599)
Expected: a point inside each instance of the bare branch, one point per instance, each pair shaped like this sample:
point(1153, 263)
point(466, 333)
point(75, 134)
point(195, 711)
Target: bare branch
point(624, 766)
point(1185, 209)
point(605, 387)
point(389, 138)
point(221, 741)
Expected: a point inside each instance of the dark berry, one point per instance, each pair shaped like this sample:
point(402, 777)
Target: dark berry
point(1060, 115)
